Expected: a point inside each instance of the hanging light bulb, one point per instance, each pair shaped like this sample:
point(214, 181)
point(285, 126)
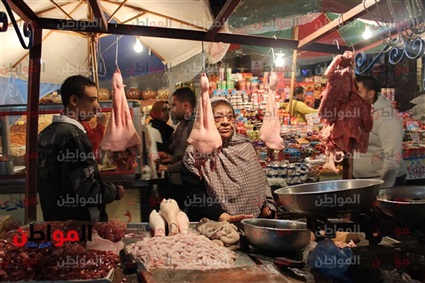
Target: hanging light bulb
point(138, 47)
point(367, 33)
point(279, 61)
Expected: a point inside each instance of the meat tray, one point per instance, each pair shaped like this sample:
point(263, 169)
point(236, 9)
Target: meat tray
point(107, 279)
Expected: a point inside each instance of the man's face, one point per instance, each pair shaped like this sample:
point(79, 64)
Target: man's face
point(165, 112)
point(224, 120)
point(178, 109)
point(87, 105)
point(301, 96)
point(367, 95)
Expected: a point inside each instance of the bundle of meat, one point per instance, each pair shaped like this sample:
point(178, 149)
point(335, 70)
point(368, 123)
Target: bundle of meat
point(69, 262)
point(205, 137)
point(170, 214)
point(121, 138)
point(182, 251)
point(270, 130)
point(221, 233)
point(113, 230)
point(348, 118)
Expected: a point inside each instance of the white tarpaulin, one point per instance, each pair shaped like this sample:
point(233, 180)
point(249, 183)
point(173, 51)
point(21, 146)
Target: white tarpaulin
point(65, 53)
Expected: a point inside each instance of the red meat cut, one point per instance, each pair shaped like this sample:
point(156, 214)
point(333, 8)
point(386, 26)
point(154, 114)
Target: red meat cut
point(348, 118)
point(270, 130)
point(204, 137)
point(121, 137)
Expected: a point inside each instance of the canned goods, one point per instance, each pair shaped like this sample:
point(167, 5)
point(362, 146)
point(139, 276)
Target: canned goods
point(283, 168)
point(289, 180)
point(297, 168)
point(296, 179)
point(291, 170)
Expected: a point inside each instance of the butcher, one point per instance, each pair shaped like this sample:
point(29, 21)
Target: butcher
point(383, 159)
point(231, 184)
point(68, 181)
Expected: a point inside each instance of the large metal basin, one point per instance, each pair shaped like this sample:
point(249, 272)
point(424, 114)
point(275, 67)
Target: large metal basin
point(328, 198)
point(404, 201)
point(275, 235)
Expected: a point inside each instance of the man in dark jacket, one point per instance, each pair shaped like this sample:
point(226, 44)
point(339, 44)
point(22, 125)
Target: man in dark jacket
point(69, 182)
point(182, 109)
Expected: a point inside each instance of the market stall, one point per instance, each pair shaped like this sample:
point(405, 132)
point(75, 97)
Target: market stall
point(335, 241)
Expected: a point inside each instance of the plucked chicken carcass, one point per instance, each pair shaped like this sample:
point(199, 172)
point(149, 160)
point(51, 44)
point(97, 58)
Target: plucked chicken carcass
point(120, 136)
point(205, 137)
point(270, 130)
point(348, 118)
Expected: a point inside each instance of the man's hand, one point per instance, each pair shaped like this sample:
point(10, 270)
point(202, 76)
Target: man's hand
point(266, 212)
point(162, 168)
point(165, 157)
point(120, 192)
point(234, 218)
point(101, 119)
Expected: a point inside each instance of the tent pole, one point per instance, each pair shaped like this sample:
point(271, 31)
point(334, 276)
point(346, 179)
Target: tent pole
point(93, 44)
point(93, 49)
point(294, 67)
point(32, 125)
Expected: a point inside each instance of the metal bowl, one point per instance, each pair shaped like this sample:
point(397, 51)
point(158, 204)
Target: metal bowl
point(328, 198)
point(276, 235)
point(403, 201)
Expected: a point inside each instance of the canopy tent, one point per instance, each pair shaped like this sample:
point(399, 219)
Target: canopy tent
point(268, 19)
point(66, 53)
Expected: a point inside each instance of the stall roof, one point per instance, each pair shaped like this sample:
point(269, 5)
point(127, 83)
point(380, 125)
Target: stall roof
point(174, 29)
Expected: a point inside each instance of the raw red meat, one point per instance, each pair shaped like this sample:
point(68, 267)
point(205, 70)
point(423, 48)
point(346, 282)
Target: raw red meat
point(69, 262)
point(113, 230)
point(270, 130)
point(120, 136)
point(348, 118)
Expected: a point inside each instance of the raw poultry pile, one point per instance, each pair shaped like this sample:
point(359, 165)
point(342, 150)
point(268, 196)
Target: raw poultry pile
point(72, 260)
point(221, 233)
point(181, 249)
point(121, 139)
point(348, 118)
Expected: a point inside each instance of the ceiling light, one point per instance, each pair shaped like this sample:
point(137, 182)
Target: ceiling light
point(279, 61)
point(367, 33)
point(138, 47)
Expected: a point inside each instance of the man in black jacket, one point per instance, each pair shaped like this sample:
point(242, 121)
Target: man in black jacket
point(69, 182)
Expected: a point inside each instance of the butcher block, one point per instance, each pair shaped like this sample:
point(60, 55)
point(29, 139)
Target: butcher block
point(254, 273)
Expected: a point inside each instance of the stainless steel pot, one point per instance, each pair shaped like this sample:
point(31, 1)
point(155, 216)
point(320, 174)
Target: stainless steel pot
point(403, 201)
point(276, 235)
point(328, 198)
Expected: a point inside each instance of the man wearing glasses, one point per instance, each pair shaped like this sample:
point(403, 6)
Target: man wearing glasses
point(68, 182)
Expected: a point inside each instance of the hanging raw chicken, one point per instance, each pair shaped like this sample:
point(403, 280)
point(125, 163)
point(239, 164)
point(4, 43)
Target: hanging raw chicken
point(205, 137)
point(121, 138)
point(270, 130)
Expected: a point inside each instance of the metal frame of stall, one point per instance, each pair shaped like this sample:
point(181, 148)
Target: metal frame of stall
point(37, 24)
